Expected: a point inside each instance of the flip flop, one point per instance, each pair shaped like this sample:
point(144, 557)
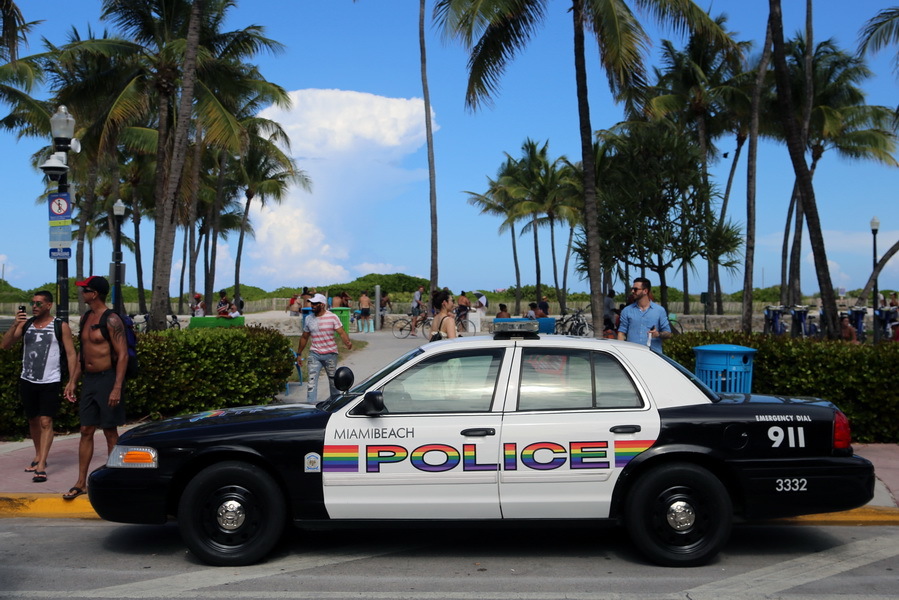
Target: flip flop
point(39, 477)
point(73, 493)
point(31, 469)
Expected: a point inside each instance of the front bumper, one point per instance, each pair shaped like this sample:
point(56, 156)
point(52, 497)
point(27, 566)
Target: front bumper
point(130, 495)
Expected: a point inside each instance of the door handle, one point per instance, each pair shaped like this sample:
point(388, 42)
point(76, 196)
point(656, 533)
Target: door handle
point(625, 429)
point(479, 431)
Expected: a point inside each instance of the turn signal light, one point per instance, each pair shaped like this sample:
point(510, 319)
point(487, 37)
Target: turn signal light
point(132, 457)
point(842, 436)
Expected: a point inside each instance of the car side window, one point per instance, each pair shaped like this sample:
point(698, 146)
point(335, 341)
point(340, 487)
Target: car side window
point(449, 382)
point(573, 380)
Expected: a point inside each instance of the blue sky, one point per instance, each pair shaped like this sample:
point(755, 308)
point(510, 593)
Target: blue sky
point(357, 129)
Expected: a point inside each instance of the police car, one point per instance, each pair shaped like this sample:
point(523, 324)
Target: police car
point(512, 428)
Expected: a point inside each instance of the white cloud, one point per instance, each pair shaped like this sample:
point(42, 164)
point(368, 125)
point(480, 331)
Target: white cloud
point(352, 146)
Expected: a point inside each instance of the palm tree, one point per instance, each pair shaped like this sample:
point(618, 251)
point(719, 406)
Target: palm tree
point(499, 201)
point(13, 30)
point(266, 173)
point(796, 149)
point(494, 31)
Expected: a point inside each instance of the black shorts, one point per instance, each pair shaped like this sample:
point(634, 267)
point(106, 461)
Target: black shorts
point(39, 399)
point(94, 409)
point(365, 312)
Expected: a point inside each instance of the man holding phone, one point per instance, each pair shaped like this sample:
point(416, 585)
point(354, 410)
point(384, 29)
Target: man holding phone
point(47, 348)
point(644, 321)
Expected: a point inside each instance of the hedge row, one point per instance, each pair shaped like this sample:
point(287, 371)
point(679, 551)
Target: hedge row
point(860, 379)
point(180, 372)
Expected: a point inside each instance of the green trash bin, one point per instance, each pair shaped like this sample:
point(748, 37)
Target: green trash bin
point(343, 312)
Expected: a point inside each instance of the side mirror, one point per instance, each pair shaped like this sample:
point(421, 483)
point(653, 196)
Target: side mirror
point(372, 405)
point(343, 379)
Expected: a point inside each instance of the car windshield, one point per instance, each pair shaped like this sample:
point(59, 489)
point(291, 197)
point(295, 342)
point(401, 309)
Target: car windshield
point(714, 397)
point(337, 401)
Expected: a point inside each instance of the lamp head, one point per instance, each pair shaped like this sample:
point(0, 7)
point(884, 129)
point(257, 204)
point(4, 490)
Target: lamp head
point(62, 126)
point(875, 224)
point(55, 167)
point(118, 209)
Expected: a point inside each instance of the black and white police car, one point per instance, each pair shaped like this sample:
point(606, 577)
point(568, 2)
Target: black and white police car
point(509, 428)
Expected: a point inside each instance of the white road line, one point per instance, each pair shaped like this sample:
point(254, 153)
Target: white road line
point(800, 571)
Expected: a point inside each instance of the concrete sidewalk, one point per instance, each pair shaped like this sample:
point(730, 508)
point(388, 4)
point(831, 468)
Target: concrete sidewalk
point(20, 497)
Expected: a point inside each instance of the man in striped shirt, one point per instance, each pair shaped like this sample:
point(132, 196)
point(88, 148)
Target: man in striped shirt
point(321, 326)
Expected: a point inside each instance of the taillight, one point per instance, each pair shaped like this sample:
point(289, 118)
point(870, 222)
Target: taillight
point(842, 437)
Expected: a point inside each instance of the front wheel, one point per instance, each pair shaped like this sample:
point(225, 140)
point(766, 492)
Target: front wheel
point(679, 515)
point(231, 514)
point(402, 328)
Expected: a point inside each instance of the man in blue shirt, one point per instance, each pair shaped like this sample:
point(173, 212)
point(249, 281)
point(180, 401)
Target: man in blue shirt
point(644, 321)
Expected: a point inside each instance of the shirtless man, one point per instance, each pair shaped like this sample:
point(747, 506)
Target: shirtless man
point(365, 312)
point(103, 363)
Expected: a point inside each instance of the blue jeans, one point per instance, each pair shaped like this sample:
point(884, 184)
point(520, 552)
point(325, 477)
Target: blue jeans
point(314, 366)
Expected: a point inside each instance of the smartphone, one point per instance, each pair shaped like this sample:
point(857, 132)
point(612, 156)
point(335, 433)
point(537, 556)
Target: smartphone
point(21, 308)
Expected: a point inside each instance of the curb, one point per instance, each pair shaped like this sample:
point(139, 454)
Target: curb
point(52, 506)
point(45, 506)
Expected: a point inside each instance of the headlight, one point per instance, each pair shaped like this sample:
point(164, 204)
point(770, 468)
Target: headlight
point(133, 457)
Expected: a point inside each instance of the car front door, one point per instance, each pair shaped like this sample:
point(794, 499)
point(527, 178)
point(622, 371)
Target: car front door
point(433, 453)
point(574, 418)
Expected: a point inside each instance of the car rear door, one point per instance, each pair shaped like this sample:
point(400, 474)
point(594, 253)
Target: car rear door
point(574, 418)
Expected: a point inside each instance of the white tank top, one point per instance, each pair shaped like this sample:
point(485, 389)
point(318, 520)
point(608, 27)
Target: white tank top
point(40, 357)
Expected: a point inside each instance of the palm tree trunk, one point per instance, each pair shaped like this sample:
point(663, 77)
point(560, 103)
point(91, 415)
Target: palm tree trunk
point(429, 134)
point(829, 319)
point(552, 249)
point(795, 284)
point(536, 257)
point(751, 166)
point(563, 302)
point(517, 271)
point(164, 240)
point(181, 278)
point(784, 250)
point(138, 262)
point(243, 229)
point(588, 162)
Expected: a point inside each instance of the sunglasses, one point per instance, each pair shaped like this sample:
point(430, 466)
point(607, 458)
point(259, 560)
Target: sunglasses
point(636, 289)
point(87, 289)
point(37, 304)
point(315, 303)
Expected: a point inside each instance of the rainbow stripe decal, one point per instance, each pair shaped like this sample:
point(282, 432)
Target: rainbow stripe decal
point(626, 450)
point(340, 459)
point(450, 459)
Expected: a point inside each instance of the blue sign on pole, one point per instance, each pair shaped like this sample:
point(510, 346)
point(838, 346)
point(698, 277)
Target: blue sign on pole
point(60, 207)
point(60, 253)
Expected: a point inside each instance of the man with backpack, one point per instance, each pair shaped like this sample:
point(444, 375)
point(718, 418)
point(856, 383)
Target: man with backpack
point(47, 353)
point(103, 360)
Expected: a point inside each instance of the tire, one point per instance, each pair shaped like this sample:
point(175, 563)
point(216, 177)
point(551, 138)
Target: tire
point(705, 529)
point(261, 524)
point(174, 323)
point(465, 328)
point(402, 328)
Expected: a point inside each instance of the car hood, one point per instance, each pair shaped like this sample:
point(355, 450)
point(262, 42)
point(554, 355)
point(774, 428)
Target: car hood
point(243, 418)
point(766, 399)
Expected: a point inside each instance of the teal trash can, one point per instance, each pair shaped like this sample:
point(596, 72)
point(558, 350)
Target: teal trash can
point(306, 312)
point(725, 368)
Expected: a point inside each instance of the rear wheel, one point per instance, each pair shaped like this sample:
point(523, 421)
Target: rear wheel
point(679, 515)
point(231, 514)
point(402, 328)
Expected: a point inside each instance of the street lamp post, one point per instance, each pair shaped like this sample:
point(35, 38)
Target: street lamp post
point(118, 209)
point(875, 225)
point(62, 127)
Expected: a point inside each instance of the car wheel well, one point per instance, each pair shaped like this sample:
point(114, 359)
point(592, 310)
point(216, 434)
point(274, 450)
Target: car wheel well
point(183, 477)
point(716, 467)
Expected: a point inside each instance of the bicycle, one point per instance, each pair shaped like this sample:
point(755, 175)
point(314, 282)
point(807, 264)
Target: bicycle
point(141, 326)
point(402, 328)
point(803, 322)
point(574, 324)
point(774, 320)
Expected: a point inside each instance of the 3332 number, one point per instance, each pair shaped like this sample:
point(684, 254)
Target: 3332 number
point(791, 485)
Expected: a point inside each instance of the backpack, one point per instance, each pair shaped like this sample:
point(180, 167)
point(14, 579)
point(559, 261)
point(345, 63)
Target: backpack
point(63, 357)
point(131, 370)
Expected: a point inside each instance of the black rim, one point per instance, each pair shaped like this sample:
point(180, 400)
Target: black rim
point(224, 540)
point(691, 538)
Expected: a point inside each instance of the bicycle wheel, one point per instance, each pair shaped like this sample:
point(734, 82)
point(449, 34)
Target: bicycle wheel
point(465, 327)
point(426, 327)
point(174, 323)
point(402, 328)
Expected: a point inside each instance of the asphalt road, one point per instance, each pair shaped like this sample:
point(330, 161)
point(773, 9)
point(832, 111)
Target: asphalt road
point(69, 558)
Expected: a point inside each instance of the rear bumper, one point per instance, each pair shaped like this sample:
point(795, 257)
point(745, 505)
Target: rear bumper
point(788, 488)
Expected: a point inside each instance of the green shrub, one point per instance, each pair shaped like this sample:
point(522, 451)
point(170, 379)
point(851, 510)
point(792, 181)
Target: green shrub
point(859, 379)
point(180, 372)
